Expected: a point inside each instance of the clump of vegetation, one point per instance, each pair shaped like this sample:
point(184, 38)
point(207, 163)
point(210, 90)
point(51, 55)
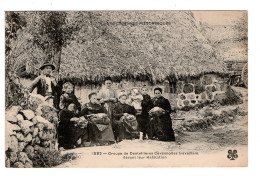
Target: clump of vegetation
point(51, 158)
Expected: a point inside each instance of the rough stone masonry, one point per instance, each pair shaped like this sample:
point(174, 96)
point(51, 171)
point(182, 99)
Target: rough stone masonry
point(29, 131)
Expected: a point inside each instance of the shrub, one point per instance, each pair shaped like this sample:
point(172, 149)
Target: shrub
point(51, 158)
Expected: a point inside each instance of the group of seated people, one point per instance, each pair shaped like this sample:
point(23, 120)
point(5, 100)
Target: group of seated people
point(108, 118)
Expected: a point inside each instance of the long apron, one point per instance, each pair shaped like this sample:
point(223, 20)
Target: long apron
point(107, 135)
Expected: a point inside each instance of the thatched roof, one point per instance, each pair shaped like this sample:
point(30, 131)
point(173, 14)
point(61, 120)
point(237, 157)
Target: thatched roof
point(141, 51)
point(156, 52)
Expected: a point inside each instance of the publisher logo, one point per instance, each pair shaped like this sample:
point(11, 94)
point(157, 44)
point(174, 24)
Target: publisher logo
point(232, 154)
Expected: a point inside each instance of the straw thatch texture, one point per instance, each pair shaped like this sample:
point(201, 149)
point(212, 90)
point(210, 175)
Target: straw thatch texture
point(153, 52)
point(138, 51)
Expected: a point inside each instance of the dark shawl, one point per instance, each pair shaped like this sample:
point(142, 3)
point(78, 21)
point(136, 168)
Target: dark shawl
point(119, 109)
point(65, 101)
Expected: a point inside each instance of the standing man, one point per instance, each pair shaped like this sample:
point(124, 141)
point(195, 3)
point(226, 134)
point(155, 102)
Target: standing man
point(108, 96)
point(47, 85)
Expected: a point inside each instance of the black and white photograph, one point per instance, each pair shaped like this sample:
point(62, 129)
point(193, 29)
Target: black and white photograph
point(138, 88)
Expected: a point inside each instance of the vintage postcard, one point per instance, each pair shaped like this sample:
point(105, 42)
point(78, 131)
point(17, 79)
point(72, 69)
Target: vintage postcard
point(106, 89)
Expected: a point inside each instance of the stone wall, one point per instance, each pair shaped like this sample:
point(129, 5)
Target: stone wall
point(29, 131)
point(82, 92)
point(189, 92)
point(194, 91)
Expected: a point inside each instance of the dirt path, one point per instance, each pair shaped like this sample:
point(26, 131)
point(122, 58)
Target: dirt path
point(219, 138)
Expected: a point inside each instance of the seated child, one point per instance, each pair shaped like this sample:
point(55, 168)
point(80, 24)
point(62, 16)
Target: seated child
point(68, 97)
point(136, 99)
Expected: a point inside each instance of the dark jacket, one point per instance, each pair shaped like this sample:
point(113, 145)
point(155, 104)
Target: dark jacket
point(162, 125)
point(65, 116)
point(162, 103)
point(91, 108)
point(147, 104)
point(68, 132)
point(65, 125)
point(71, 98)
point(42, 89)
point(119, 109)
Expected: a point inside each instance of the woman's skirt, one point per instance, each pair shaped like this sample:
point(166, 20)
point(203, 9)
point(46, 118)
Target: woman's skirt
point(107, 134)
point(161, 127)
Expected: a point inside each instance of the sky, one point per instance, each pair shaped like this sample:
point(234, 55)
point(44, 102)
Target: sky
point(217, 17)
